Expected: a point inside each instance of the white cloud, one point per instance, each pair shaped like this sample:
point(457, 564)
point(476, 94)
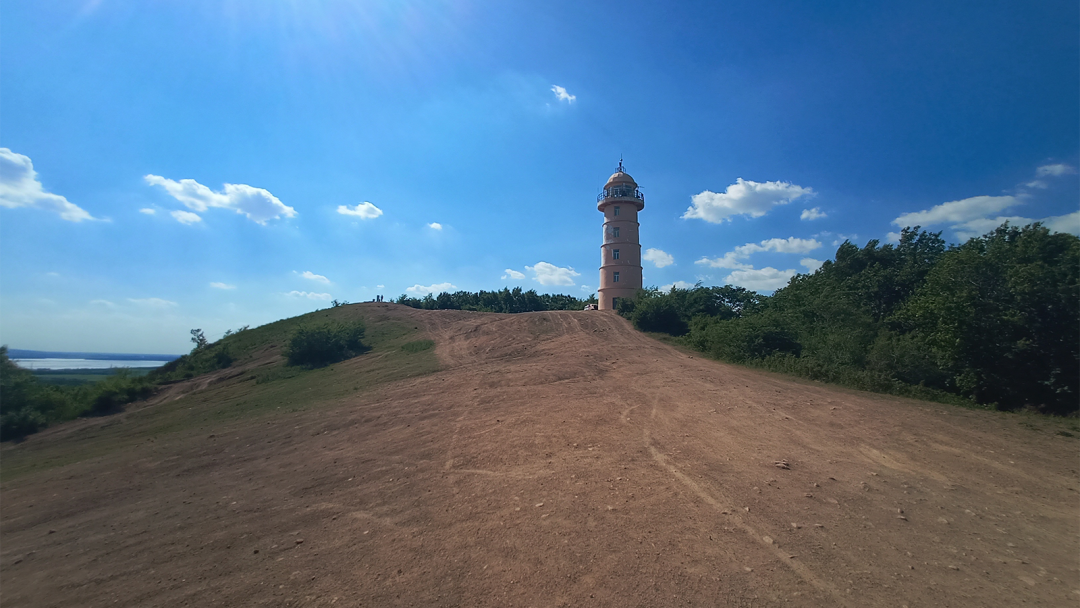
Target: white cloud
point(380, 286)
point(562, 95)
point(658, 257)
point(513, 274)
point(762, 279)
point(676, 285)
point(812, 214)
point(1069, 223)
point(586, 288)
point(811, 264)
point(217, 285)
point(421, 290)
point(364, 210)
point(186, 217)
point(148, 211)
point(550, 274)
point(435, 226)
point(982, 225)
point(840, 238)
point(19, 187)
point(152, 302)
point(957, 212)
point(318, 278)
point(256, 204)
point(309, 295)
point(743, 198)
point(788, 245)
point(728, 260)
point(893, 237)
point(1054, 170)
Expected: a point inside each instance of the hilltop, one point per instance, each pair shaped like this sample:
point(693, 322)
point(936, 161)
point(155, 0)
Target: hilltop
point(535, 459)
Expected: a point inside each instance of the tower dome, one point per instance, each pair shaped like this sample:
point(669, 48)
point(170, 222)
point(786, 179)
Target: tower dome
point(620, 186)
point(620, 177)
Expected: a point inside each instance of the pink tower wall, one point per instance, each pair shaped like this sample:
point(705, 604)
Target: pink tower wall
point(628, 243)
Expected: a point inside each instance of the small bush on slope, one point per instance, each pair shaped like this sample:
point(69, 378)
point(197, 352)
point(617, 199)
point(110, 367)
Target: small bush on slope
point(325, 343)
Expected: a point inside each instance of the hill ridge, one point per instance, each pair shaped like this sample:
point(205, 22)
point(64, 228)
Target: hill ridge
point(554, 458)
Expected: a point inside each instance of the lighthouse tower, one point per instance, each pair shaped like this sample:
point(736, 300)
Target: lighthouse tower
point(620, 255)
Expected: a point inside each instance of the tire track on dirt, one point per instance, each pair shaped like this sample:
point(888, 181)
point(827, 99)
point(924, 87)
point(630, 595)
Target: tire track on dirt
point(725, 506)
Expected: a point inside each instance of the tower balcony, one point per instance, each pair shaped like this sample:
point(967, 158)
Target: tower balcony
point(615, 194)
point(620, 192)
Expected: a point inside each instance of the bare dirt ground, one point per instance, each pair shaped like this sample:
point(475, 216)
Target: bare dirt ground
point(561, 459)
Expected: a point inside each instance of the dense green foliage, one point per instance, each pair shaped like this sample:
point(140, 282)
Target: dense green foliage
point(325, 343)
point(201, 360)
point(504, 300)
point(995, 320)
point(28, 405)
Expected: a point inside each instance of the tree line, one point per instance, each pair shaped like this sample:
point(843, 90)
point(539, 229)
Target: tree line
point(994, 321)
point(505, 300)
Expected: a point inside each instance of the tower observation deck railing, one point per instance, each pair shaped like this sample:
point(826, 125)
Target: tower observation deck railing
point(620, 192)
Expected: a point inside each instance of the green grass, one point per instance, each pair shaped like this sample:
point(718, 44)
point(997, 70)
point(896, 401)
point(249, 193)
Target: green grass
point(266, 391)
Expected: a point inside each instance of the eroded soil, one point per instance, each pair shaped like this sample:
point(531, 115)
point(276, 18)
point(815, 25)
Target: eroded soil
point(559, 459)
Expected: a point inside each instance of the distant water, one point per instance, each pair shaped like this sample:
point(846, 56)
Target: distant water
point(57, 363)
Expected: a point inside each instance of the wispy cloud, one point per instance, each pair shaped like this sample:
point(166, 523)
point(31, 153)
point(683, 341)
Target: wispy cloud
point(812, 214)
point(1045, 171)
point(760, 279)
point(675, 285)
point(148, 211)
point(550, 274)
point(318, 278)
point(658, 257)
point(364, 210)
point(152, 302)
point(977, 215)
point(423, 290)
point(513, 274)
point(811, 264)
point(957, 212)
point(562, 95)
point(310, 295)
point(20, 187)
point(217, 285)
point(788, 245)
point(186, 217)
point(435, 226)
point(744, 197)
point(256, 204)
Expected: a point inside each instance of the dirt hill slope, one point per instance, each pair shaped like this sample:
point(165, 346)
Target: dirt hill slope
point(556, 459)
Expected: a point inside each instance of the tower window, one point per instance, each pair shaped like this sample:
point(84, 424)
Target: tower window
point(615, 232)
point(614, 254)
point(615, 278)
point(616, 210)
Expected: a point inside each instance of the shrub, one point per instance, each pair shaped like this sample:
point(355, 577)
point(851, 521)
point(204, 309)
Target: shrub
point(326, 343)
point(417, 345)
point(108, 395)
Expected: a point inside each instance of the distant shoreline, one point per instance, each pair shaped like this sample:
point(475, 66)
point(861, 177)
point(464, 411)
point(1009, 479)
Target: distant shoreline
point(20, 353)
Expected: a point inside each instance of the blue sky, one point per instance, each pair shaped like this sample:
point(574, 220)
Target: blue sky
point(211, 164)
